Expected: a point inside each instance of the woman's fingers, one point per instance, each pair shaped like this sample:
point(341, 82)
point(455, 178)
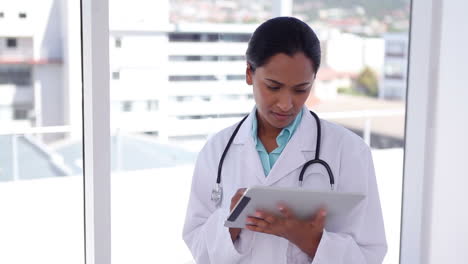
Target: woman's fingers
point(320, 218)
point(262, 219)
point(256, 229)
point(236, 197)
point(286, 212)
point(259, 225)
point(287, 225)
point(239, 193)
point(257, 222)
point(267, 217)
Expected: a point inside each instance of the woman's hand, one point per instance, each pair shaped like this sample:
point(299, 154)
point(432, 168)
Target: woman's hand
point(235, 231)
point(305, 234)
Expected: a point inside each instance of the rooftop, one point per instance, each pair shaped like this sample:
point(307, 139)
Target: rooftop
point(387, 118)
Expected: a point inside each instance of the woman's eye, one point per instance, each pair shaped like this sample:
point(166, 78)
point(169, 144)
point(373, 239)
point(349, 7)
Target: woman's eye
point(273, 87)
point(301, 91)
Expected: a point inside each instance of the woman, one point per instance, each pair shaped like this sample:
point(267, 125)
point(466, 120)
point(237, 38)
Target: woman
point(269, 149)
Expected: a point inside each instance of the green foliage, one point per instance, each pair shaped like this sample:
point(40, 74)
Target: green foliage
point(349, 91)
point(367, 82)
point(343, 90)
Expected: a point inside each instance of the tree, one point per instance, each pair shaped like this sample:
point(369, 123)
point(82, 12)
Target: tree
point(367, 82)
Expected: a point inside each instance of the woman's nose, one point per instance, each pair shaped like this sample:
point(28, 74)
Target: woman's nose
point(285, 102)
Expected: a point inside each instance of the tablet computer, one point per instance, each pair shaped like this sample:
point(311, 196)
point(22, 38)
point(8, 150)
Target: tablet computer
point(303, 203)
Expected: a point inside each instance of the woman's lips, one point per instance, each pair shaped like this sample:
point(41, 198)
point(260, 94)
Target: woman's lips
point(281, 117)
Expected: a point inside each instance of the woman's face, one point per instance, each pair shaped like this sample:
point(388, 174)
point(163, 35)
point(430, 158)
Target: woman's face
point(280, 88)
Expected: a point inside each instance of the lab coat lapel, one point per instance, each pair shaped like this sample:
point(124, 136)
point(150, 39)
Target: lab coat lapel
point(300, 149)
point(250, 159)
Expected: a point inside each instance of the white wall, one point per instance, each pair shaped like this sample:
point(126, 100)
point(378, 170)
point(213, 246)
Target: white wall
point(435, 214)
point(446, 225)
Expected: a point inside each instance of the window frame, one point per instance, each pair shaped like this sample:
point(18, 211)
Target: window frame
point(96, 130)
point(421, 108)
point(96, 126)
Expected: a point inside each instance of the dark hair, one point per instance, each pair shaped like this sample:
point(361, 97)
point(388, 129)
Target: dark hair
point(287, 35)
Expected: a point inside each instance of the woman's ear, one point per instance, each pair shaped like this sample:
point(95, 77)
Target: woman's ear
point(248, 74)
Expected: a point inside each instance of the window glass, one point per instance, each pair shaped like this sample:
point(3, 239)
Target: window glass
point(41, 179)
point(186, 65)
point(362, 86)
point(11, 42)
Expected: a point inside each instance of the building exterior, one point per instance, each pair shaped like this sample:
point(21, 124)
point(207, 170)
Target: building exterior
point(31, 64)
point(393, 80)
point(164, 78)
point(185, 75)
point(350, 53)
point(40, 72)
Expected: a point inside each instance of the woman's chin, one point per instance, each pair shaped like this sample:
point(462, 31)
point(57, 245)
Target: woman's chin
point(281, 121)
point(280, 124)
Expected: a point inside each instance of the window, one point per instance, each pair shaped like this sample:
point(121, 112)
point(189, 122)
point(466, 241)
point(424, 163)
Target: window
point(118, 42)
point(179, 37)
point(41, 181)
point(127, 106)
point(396, 49)
point(21, 114)
point(116, 75)
point(184, 98)
point(152, 106)
point(394, 71)
point(188, 78)
point(18, 75)
point(55, 235)
point(207, 58)
point(236, 37)
point(235, 77)
point(198, 76)
point(209, 37)
point(11, 42)
point(366, 60)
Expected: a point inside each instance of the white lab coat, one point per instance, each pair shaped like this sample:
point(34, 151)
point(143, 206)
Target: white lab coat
point(360, 240)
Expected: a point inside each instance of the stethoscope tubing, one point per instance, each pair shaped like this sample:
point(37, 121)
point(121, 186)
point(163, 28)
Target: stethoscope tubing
point(218, 189)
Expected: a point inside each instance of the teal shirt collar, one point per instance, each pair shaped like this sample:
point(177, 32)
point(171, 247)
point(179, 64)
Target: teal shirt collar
point(283, 138)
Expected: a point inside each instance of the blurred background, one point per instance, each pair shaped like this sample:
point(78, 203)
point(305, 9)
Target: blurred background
point(177, 77)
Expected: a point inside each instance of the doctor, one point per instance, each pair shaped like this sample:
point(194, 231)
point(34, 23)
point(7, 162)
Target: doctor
point(270, 148)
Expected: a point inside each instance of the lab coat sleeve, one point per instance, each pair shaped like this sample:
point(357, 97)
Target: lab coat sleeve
point(204, 232)
point(364, 241)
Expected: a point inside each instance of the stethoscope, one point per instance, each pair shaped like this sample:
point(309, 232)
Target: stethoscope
point(217, 192)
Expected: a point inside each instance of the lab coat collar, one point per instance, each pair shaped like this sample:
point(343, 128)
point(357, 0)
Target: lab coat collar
point(245, 131)
point(300, 148)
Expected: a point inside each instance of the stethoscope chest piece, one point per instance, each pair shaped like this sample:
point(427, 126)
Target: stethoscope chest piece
point(217, 194)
